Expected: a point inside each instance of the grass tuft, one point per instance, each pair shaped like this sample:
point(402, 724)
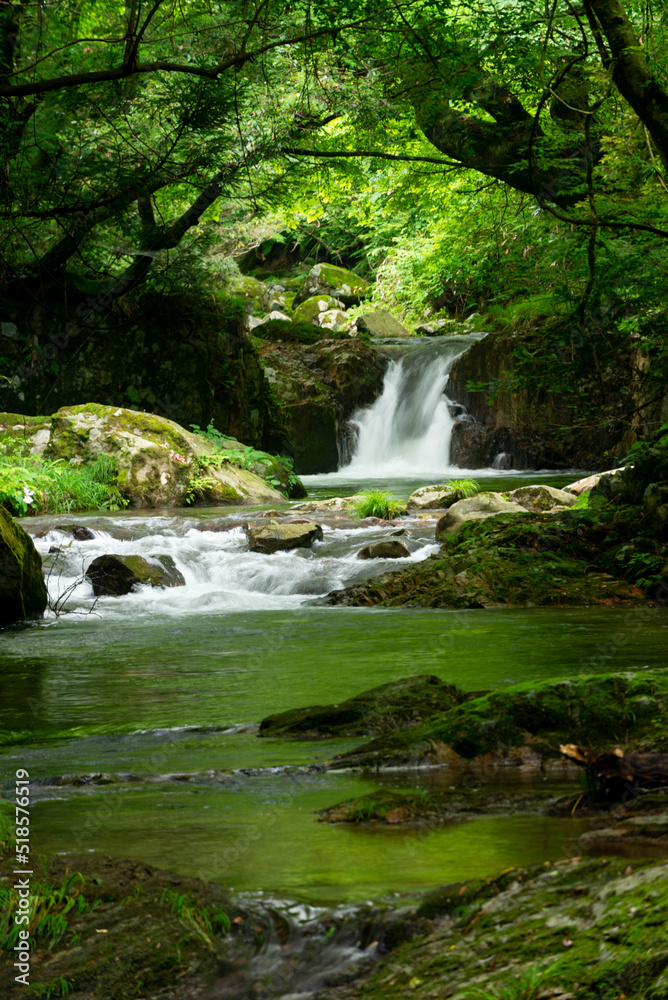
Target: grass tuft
point(378, 503)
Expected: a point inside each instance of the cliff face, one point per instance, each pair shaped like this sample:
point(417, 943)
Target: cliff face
point(536, 428)
point(314, 388)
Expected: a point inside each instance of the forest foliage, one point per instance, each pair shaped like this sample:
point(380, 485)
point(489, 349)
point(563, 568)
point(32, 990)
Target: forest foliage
point(507, 156)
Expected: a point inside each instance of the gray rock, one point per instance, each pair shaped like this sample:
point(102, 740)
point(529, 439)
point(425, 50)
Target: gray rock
point(431, 498)
point(113, 576)
point(275, 536)
point(475, 508)
point(540, 498)
point(655, 496)
point(381, 323)
point(384, 550)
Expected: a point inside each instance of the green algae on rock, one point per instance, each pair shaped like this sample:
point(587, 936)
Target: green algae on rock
point(525, 724)
point(394, 706)
point(22, 588)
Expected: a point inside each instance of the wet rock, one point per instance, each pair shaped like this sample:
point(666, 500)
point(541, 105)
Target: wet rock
point(397, 705)
point(223, 526)
point(438, 327)
point(22, 588)
point(78, 531)
point(381, 323)
point(432, 498)
point(113, 576)
point(327, 279)
point(475, 508)
point(540, 498)
point(384, 550)
point(275, 537)
point(317, 387)
point(581, 486)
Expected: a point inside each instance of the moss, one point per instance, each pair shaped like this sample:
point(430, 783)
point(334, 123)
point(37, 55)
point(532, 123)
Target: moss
point(22, 589)
point(596, 711)
point(392, 706)
point(296, 333)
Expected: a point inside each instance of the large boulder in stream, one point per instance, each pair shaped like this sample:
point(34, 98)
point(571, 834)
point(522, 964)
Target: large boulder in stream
point(475, 508)
point(381, 323)
point(277, 536)
point(397, 705)
point(22, 588)
point(154, 461)
point(433, 498)
point(114, 576)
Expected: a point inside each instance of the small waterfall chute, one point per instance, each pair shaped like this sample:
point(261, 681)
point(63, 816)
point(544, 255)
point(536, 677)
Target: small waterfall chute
point(407, 430)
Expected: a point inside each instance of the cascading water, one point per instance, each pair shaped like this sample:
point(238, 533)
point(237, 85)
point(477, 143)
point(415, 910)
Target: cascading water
point(407, 431)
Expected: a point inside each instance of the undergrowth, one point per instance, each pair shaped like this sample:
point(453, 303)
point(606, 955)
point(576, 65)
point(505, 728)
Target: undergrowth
point(277, 470)
point(204, 923)
point(36, 485)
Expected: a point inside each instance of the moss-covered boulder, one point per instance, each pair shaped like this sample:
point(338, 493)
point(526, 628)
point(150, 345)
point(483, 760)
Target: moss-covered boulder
point(327, 279)
point(22, 588)
point(114, 576)
point(389, 707)
point(572, 558)
point(254, 293)
point(581, 928)
point(476, 508)
point(540, 498)
point(159, 462)
point(526, 724)
point(310, 310)
point(432, 498)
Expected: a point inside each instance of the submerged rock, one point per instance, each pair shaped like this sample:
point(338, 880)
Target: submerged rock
point(384, 550)
point(397, 705)
point(540, 498)
point(79, 532)
point(275, 536)
point(22, 589)
point(476, 508)
point(114, 576)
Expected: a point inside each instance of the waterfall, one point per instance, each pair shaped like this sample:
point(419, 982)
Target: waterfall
point(407, 430)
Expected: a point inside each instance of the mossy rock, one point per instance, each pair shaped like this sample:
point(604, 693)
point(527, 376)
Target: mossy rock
point(254, 293)
point(311, 309)
point(392, 706)
point(327, 279)
point(527, 723)
point(22, 589)
point(160, 463)
point(574, 558)
point(114, 576)
point(296, 333)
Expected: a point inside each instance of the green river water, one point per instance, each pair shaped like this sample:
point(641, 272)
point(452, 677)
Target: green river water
point(160, 695)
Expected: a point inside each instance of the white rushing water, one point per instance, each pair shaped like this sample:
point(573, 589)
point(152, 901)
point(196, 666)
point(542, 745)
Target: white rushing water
point(407, 431)
point(219, 570)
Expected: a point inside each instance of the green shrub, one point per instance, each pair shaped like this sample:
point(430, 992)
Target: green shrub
point(377, 503)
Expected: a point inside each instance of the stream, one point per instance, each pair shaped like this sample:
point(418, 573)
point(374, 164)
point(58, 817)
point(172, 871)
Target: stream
point(137, 716)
